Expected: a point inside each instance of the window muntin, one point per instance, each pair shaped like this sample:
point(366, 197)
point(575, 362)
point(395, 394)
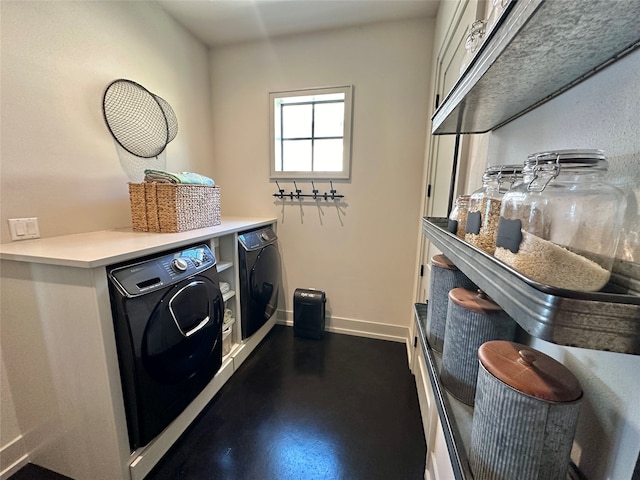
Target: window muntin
point(311, 133)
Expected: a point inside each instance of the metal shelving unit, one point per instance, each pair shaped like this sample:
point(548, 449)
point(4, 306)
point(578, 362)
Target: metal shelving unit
point(540, 49)
point(456, 418)
point(595, 320)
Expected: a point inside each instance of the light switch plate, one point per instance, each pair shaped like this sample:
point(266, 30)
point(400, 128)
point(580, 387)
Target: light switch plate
point(24, 228)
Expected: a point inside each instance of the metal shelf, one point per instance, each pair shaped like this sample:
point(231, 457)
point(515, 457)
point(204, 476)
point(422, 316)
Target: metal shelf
point(538, 51)
point(595, 320)
point(456, 418)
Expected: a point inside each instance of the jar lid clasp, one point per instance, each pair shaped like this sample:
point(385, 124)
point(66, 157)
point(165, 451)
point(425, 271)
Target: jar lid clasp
point(553, 173)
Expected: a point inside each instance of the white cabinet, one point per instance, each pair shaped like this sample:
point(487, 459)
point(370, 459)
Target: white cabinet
point(446, 421)
point(445, 152)
point(226, 252)
point(430, 421)
point(438, 463)
point(59, 352)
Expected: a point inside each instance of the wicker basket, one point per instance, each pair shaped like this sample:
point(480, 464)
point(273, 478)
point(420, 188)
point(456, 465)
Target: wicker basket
point(170, 208)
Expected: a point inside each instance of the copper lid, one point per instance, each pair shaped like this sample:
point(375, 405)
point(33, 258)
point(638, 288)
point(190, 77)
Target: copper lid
point(529, 371)
point(477, 301)
point(443, 262)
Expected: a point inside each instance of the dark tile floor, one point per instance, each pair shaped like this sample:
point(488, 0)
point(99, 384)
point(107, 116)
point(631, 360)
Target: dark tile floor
point(34, 472)
point(342, 407)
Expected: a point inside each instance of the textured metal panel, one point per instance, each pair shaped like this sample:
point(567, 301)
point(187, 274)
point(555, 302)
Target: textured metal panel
point(442, 281)
point(596, 320)
point(515, 436)
point(542, 48)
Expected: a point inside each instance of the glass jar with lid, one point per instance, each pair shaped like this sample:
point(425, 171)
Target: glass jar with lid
point(484, 205)
point(561, 225)
point(474, 38)
point(458, 217)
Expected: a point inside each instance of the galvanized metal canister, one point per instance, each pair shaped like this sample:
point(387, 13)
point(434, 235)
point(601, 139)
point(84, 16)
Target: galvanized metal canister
point(472, 319)
point(525, 416)
point(445, 276)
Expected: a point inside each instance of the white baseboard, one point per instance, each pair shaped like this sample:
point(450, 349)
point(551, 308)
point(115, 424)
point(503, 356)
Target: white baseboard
point(359, 328)
point(12, 457)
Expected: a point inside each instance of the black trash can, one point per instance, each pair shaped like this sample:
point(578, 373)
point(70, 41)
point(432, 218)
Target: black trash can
point(308, 313)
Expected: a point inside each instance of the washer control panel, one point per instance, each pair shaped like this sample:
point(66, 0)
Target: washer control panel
point(149, 275)
point(257, 238)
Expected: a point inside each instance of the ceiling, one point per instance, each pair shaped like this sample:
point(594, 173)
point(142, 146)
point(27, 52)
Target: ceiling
point(222, 22)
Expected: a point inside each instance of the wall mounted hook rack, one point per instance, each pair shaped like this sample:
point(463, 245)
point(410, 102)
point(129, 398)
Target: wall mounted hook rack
point(315, 193)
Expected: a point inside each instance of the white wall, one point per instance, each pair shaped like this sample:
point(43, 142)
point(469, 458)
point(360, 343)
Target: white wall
point(12, 448)
point(361, 253)
point(601, 112)
point(57, 159)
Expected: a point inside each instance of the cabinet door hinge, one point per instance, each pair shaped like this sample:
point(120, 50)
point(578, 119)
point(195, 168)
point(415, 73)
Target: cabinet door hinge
point(437, 100)
point(429, 190)
point(415, 342)
point(422, 270)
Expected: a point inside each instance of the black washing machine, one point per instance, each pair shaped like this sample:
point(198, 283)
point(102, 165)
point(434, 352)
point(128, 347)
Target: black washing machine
point(260, 277)
point(167, 313)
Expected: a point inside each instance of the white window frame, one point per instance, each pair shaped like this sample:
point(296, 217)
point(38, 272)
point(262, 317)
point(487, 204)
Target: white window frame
point(345, 173)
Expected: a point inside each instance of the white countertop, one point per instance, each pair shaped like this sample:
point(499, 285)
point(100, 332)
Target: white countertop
point(95, 249)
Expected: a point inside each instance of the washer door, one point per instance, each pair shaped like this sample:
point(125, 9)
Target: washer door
point(264, 279)
point(183, 330)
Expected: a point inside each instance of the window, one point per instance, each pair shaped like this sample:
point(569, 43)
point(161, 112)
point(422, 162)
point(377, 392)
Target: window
point(311, 133)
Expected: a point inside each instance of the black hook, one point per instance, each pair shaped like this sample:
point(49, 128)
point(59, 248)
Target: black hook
point(333, 191)
point(299, 195)
point(280, 193)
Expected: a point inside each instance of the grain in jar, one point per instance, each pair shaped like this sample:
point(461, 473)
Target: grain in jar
point(485, 205)
point(457, 223)
point(560, 227)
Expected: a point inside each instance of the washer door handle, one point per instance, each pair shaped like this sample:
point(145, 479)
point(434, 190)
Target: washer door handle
point(200, 325)
point(196, 328)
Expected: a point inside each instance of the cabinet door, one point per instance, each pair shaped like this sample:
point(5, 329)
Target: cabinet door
point(449, 58)
point(438, 460)
point(452, 48)
point(438, 463)
point(442, 151)
point(426, 397)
